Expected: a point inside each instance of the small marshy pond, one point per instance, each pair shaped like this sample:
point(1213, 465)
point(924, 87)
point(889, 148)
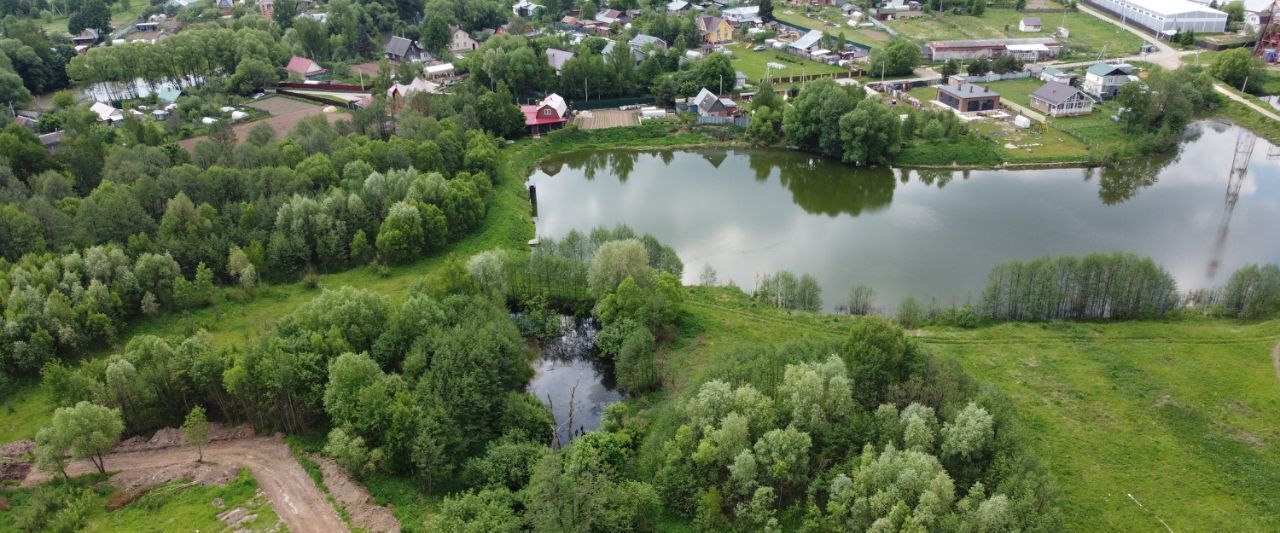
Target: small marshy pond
point(571, 379)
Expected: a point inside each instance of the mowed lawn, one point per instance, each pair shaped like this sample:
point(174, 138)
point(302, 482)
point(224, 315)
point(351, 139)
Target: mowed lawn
point(754, 64)
point(1184, 416)
point(1089, 34)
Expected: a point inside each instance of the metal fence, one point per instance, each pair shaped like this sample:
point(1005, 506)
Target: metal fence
point(740, 122)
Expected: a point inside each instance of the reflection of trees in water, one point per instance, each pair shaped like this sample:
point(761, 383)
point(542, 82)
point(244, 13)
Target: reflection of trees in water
point(619, 163)
point(715, 157)
point(823, 186)
point(937, 177)
point(1122, 180)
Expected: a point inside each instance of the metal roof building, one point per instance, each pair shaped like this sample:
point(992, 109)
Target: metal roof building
point(1166, 17)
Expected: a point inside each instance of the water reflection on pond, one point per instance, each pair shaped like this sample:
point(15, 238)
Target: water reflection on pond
point(922, 233)
point(573, 381)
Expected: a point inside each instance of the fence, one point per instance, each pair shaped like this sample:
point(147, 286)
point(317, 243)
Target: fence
point(991, 76)
point(610, 102)
point(805, 78)
point(740, 122)
point(1022, 110)
point(326, 86)
point(317, 98)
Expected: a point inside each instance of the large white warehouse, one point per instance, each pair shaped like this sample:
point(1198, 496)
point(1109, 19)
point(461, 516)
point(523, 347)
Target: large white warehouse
point(1166, 16)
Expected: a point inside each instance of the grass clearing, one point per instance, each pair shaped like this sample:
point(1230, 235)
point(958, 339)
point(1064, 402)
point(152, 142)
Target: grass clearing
point(1089, 34)
point(829, 19)
point(754, 64)
point(1184, 414)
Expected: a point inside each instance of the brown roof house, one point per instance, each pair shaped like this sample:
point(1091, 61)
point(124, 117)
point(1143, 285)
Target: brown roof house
point(968, 97)
point(304, 67)
point(707, 104)
point(1061, 100)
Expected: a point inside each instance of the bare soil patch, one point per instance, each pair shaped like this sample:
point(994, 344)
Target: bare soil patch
point(596, 119)
point(285, 114)
point(353, 497)
point(292, 493)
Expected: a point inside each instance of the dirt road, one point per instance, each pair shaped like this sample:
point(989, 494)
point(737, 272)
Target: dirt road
point(294, 496)
point(1223, 90)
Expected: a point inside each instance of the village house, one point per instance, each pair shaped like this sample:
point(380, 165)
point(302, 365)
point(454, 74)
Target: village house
point(1258, 13)
point(106, 113)
point(87, 37)
point(402, 49)
point(743, 15)
point(304, 67)
point(267, 8)
point(714, 30)
point(678, 6)
point(1057, 75)
point(443, 70)
point(1029, 24)
point(1031, 49)
point(461, 41)
point(806, 43)
point(546, 115)
point(1104, 80)
point(1059, 100)
point(642, 45)
point(402, 90)
point(610, 16)
point(707, 104)
point(968, 97)
point(525, 9)
point(557, 58)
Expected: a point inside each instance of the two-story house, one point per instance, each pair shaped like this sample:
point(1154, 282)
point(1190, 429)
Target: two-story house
point(714, 30)
point(1104, 80)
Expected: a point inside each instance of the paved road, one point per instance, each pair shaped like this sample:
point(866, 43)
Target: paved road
point(293, 494)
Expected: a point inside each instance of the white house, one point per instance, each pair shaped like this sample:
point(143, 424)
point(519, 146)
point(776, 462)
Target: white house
point(1166, 17)
point(525, 9)
point(1061, 100)
point(1029, 24)
point(1104, 80)
point(1258, 13)
point(461, 41)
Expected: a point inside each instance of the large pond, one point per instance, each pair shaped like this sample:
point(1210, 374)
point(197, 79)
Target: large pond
point(928, 234)
point(571, 380)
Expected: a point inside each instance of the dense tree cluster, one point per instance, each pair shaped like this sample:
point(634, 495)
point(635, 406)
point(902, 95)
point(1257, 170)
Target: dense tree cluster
point(1253, 292)
point(160, 231)
point(1158, 110)
point(1115, 286)
point(785, 291)
point(934, 449)
point(188, 58)
point(30, 62)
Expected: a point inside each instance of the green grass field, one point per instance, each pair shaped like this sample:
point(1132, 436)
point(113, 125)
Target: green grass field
point(1089, 34)
point(1182, 414)
point(754, 64)
point(119, 18)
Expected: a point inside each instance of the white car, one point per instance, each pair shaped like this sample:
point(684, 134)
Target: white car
point(759, 48)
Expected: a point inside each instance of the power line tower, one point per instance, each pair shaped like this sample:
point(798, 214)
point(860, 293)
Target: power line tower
point(1269, 37)
point(1239, 168)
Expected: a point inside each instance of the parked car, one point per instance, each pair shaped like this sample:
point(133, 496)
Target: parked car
point(759, 48)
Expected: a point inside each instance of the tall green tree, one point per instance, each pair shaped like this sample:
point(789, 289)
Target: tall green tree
point(872, 134)
point(85, 431)
point(196, 429)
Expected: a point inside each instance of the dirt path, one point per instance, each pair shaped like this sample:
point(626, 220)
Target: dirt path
point(293, 495)
point(353, 497)
point(1249, 103)
point(1275, 358)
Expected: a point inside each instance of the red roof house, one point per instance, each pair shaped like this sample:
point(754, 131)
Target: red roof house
point(305, 67)
point(548, 114)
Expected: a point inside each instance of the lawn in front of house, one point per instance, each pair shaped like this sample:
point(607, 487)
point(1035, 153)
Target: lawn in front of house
point(754, 64)
point(830, 20)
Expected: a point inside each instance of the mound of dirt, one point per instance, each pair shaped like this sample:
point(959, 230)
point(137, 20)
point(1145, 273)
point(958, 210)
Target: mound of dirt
point(353, 497)
point(198, 473)
point(173, 437)
point(17, 449)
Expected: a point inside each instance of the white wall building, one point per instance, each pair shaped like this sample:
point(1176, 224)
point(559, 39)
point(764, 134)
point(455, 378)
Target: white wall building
point(1166, 16)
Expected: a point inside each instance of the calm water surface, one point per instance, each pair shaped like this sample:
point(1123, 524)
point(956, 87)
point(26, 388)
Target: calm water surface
point(573, 381)
point(928, 234)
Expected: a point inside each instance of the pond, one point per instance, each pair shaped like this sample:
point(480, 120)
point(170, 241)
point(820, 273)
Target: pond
point(571, 380)
point(931, 234)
